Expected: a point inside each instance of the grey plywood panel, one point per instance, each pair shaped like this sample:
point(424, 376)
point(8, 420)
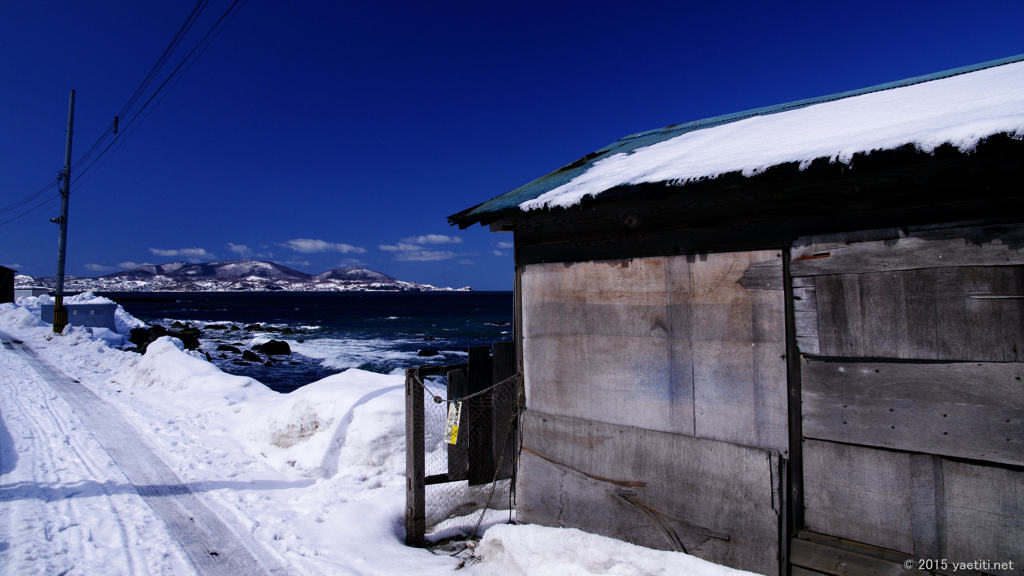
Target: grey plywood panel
point(963, 409)
point(858, 493)
point(738, 340)
point(673, 344)
point(717, 500)
point(984, 508)
point(958, 313)
point(977, 246)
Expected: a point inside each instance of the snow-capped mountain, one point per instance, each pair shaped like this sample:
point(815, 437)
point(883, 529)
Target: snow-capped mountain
point(233, 275)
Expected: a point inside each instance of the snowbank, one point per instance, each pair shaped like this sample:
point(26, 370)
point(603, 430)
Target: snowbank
point(353, 422)
point(959, 110)
point(123, 321)
point(541, 551)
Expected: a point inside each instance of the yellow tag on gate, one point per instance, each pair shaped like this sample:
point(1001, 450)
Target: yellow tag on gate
point(452, 429)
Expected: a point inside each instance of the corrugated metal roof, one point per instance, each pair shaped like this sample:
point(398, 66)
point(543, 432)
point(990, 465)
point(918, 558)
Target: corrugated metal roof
point(511, 200)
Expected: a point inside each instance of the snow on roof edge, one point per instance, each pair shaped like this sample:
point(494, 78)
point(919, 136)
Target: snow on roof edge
point(959, 107)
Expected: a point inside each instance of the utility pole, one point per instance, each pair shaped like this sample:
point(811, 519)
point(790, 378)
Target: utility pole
point(60, 314)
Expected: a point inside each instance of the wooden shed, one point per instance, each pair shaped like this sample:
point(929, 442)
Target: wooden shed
point(788, 340)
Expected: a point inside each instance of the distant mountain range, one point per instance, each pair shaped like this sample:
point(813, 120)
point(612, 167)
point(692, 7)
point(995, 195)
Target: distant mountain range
point(234, 275)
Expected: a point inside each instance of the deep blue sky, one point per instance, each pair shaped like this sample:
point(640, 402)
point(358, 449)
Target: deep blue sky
point(366, 124)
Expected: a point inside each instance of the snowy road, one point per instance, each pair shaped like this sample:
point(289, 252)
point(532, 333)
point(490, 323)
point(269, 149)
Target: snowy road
point(84, 458)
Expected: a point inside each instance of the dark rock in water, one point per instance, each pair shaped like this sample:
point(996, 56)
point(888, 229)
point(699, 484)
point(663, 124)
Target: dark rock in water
point(427, 352)
point(208, 359)
point(272, 329)
point(158, 330)
point(177, 325)
point(226, 348)
point(224, 356)
point(142, 337)
point(287, 330)
point(216, 327)
point(429, 338)
point(237, 344)
point(233, 327)
point(188, 336)
point(251, 357)
point(254, 328)
point(268, 363)
point(300, 340)
point(276, 348)
point(239, 362)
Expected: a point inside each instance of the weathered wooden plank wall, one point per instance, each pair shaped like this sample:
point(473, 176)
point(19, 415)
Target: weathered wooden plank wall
point(667, 491)
point(913, 389)
point(692, 345)
point(966, 409)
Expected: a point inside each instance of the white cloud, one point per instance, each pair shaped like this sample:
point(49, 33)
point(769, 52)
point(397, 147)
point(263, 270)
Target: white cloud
point(246, 252)
point(296, 263)
point(351, 262)
point(130, 265)
point(499, 253)
point(433, 239)
point(99, 268)
point(405, 252)
point(310, 246)
point(193, 254)
point(11, 266)
point(505, 245)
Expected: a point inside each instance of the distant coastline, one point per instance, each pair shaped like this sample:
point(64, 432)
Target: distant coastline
point(234, 276)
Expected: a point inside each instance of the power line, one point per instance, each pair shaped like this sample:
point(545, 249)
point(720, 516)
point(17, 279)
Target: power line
point(154, 71)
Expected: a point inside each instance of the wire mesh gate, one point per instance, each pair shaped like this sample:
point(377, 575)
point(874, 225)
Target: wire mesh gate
point(452, 487)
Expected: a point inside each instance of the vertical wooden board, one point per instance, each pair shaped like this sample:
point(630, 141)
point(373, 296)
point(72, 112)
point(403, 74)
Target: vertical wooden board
point(805, 315)
point(714, 498)
point(962, 409)
point(955, 313)
point(984, 508)
point(858, 493)
point(458, 456)
point(927, 505)
point(679, 314)
point(503, 408)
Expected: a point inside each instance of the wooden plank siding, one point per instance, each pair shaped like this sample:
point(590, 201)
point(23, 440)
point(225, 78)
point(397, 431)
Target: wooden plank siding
point(715, 500)
point(984, 513)
point(963, 409)
point(955, 313)
point(912, 393)
point(859, 494)
point(688, 345)
point(993, 245)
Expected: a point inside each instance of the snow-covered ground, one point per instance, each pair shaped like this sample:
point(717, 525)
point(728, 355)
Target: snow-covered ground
point(311, 482)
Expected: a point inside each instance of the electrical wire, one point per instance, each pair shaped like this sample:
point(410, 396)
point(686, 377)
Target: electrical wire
point(146, 82)
point(160, 89)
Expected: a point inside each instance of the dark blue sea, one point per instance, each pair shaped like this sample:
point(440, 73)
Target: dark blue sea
point(331, 331)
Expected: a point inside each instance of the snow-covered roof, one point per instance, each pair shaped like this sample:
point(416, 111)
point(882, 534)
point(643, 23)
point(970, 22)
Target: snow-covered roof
point(958, 107)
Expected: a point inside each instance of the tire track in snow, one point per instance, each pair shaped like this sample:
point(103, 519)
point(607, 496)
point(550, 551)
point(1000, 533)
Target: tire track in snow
point(47, 462)
point(210, 545)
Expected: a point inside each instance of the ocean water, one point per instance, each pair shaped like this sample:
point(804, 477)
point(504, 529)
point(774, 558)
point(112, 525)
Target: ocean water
point(333, 331)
